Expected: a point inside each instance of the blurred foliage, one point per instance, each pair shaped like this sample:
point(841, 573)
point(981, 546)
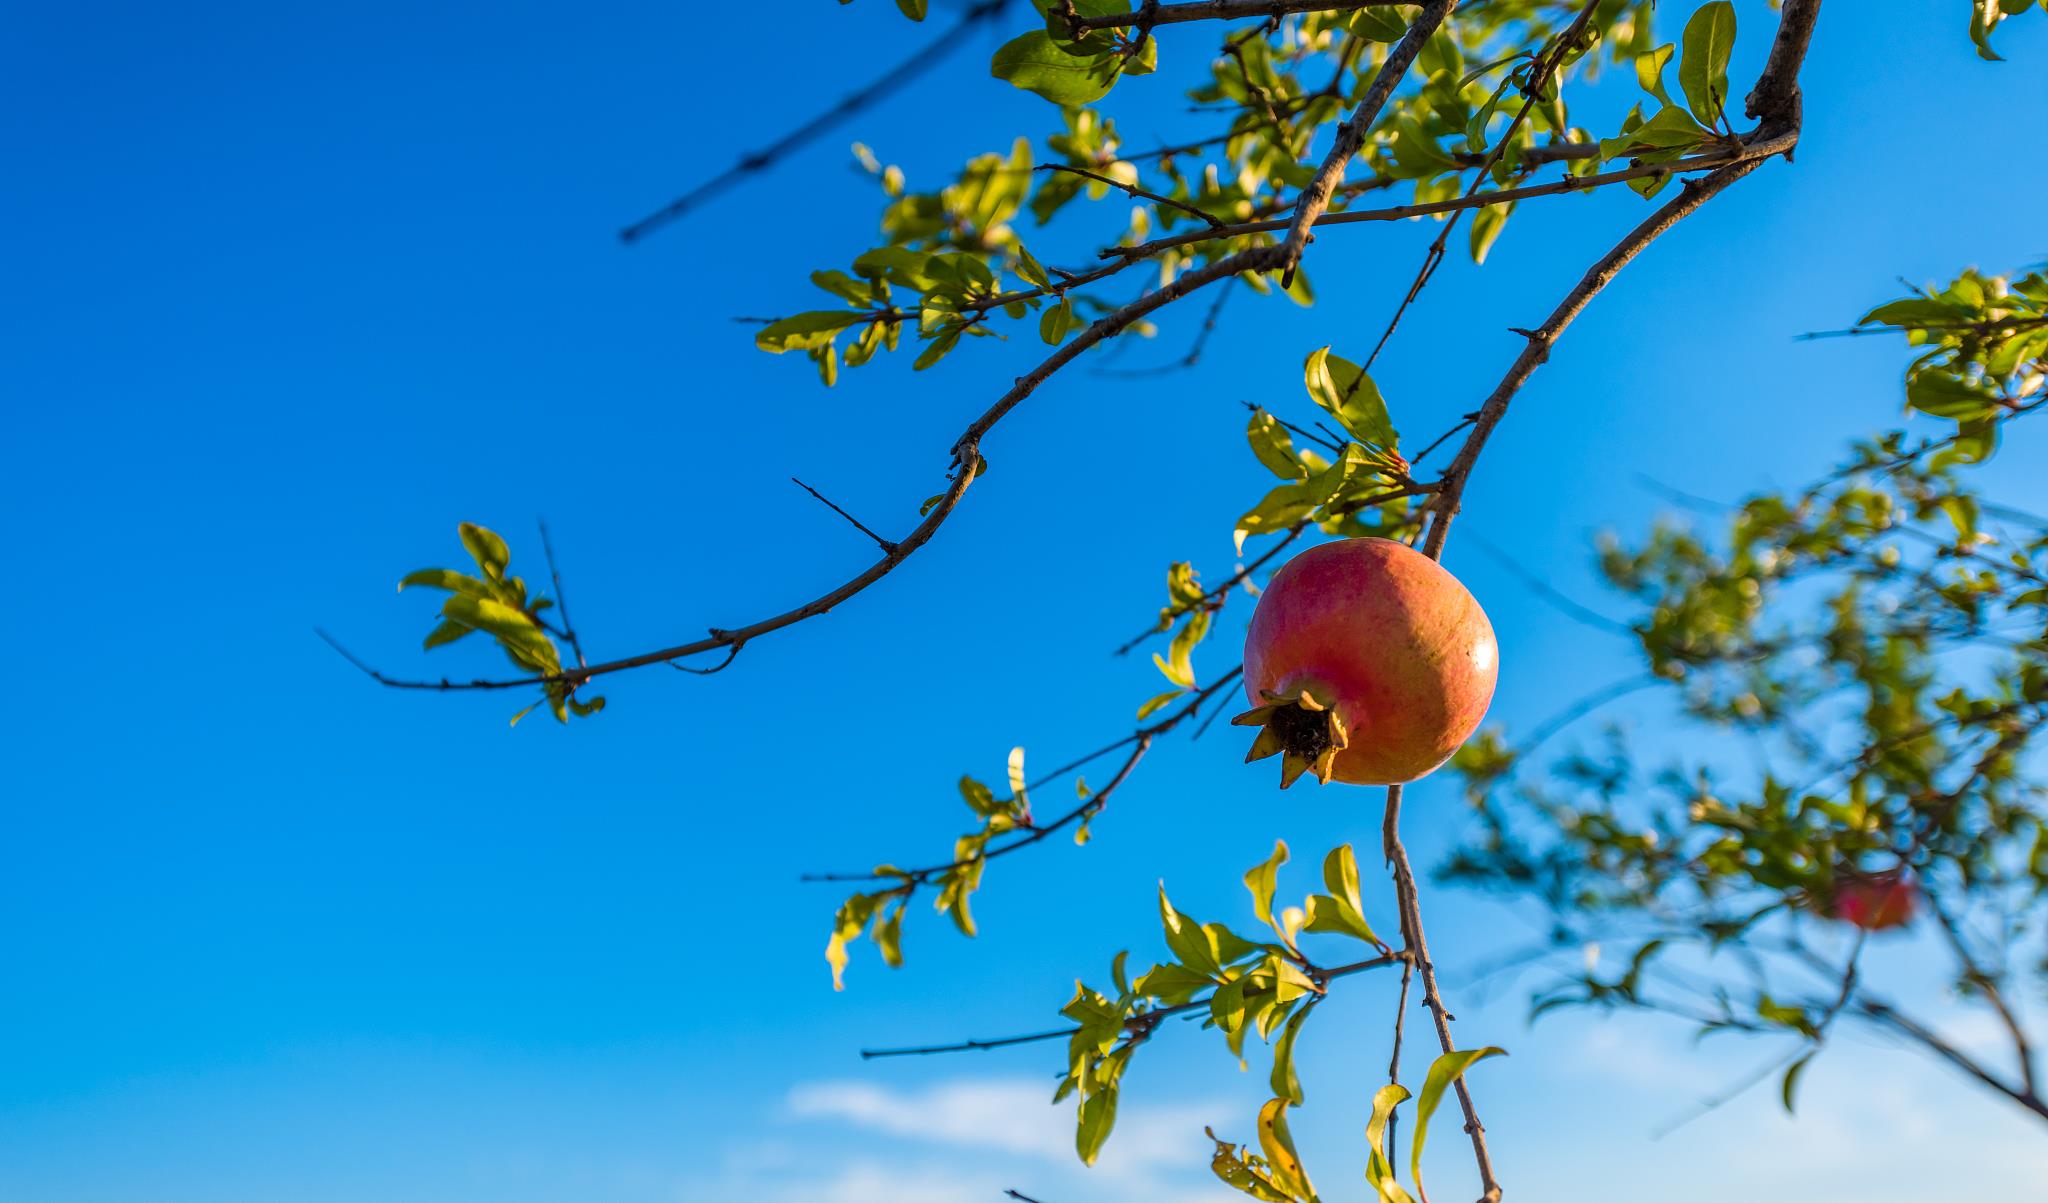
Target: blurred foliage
point(1877, 646)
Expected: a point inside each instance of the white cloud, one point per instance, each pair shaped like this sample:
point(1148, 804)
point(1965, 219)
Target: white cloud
point(1013, 1116)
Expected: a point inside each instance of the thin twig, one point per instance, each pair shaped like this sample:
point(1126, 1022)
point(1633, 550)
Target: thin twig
point(1546, 67)
point(1537, 351)
point(547, 548)
point(884, 544)
point(1225, 10)
point(760, 160)
point(1350, 139)
point(1889, 1016)
point(1142, 1023)
point(1986, 983)
point(966, 449)
point(1173, 612)
point(1137, 193)
point(1139, 741)
point(1194, 354)
point(1549, 592)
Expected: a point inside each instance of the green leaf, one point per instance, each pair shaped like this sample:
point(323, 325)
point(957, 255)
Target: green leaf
point(1098, 1116)
point(843, 286)
point(1277, 510)
point(805, 331)
point(1377, 24)
point(1283, 1163)
point(448, 631)
point(1913, 312)
point(1036, 63)
point(897, 265)
point(445, 578)
point(1271, 444)
point(1263, 880)
point(1379, 1169)
point(1703, 68)
point(1179, 674)
point(1286, 1084)
point(525, 642)
point(1662, 138)
point(1347, 394)
point(914, 9)
point(936, 350)
point(1057, 321)
point(486, 548)
point(1486, 226)
point(1031, 270)
point(1154, 703)
point(1650, 71)
point(1941, 393)
point(1340, 874)
point(979, 798)
point(1791, 1082)
point(1190, 944)
point(1442, 1072)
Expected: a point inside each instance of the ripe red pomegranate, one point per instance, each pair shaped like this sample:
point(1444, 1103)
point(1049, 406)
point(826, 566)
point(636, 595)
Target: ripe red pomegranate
point(1873, 901)
point(1367, 662)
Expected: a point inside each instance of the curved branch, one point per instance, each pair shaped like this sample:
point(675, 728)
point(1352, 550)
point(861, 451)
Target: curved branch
point(966, 449)
point(1451, 488)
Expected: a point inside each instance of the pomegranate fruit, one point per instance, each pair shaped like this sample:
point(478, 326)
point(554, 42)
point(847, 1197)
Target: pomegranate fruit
point(1873, 901)
point(1367, 663)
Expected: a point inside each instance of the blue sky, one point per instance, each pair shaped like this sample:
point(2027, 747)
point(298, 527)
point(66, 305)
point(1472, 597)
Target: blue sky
point(294, 290)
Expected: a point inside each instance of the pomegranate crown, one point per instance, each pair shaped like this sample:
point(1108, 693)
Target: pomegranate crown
point(1301, 730)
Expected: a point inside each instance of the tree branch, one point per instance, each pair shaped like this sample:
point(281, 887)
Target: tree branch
point(1477, 200)
point(1885, 1015)
point(884, 544)
point(1140, 1025)
point(760, 160)
point(1695, 193)
point(1417, 947)
point(1227, 10)
point(1315, 195)
point(966, 449)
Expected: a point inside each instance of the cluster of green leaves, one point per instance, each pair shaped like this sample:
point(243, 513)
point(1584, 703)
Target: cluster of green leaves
point(957, 251)
point(1238, 985)
point(1193, 609)
point(497, 605)
point(1069, 70)
point(1674, 131)
point(1987, 352)
point(1361, 488)
point(1881, 641)
point(1275, 1174)
point(880, 912)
